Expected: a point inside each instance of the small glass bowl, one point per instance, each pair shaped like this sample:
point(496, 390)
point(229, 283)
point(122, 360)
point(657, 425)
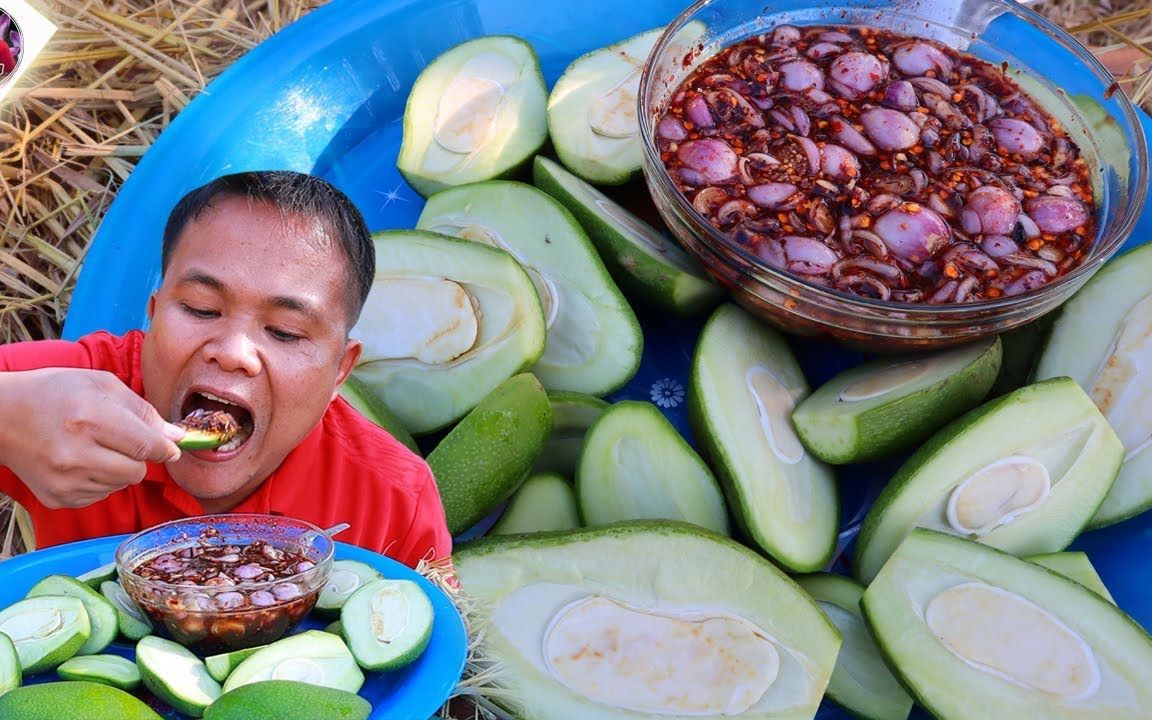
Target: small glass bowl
point(998, 31)
point(203, 618)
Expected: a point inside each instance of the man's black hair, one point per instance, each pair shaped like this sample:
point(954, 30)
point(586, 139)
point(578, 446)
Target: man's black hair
point(294, 194)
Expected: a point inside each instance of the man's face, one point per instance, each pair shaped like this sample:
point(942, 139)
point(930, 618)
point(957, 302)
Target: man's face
point(250, 319)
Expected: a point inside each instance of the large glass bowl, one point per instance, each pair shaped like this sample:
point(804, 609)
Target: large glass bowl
point(1101, 120)
point(211, 619)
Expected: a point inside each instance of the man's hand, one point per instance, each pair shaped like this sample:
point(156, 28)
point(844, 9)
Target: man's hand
point(76, 436)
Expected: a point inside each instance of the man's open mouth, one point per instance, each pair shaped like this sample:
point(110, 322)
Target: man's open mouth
point(215, 416)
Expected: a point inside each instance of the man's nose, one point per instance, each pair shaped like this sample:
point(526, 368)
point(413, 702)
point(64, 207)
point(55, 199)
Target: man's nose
point(235, 351)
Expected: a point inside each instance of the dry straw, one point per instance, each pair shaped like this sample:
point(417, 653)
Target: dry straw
point(116, 74)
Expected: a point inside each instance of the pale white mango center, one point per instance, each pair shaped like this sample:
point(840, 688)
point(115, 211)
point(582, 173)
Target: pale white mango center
point(343, 581)
point(1006, 635)
point(469, 107)
point(430, 319)
point(613, 113)
point(32, 624)
point(775, 403)
point(659, 663)
point(885, 380)
point(1122, 388)
point(997, 494)
point(299, 669)
point(391, 612)
point(651, 242)
point(121, 600)
point(545, 288)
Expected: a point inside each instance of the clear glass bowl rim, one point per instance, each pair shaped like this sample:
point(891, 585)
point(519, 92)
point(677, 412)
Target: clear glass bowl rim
point(321, 567)
point(912, 312)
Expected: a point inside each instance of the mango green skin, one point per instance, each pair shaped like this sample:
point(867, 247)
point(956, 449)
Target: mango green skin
point(522, 135)
point(358, 626)
point(544, 503)
point(923, 479)
point(288, 700)
point(1074, 565)
point(10, 675)
point(114, 670)
point(572, 414)
point(73, 699)
point(45, 653)
point(221, 666)
point(490, 452)
point(668, 279)
point(152, 652)
point(877, 695)
point(725, 422)
point(357, 394)
point(839, 432)
point(201, 440)
point(102, 615)
point(637, 562)
point(1081, 341)
point(928, 562)
point(590, 310)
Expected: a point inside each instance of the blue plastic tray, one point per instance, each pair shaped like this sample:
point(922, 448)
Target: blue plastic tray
point(411, 693)
point(326, 95)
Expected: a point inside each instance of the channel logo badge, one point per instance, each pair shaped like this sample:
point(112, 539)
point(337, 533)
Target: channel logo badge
point(24, 32)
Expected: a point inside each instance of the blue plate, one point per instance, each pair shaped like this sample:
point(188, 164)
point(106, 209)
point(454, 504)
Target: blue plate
point(326, 95)
point(415, 692)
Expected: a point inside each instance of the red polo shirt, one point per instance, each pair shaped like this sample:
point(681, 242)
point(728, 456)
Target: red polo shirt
point(346, 470)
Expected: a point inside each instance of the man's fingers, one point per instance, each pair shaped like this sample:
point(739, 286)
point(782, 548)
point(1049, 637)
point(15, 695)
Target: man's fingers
point(125, 432)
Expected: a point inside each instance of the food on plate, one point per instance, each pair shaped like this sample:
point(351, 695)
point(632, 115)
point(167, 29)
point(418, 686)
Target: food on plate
point(216, 564)
point(745, 384)
point(488, 454)
point(975, 633)
point(73, 699)
point(882, 165)
point(1023, 473)
point(644, 619)
point(890, 404)
point(861, 682)
point(361, 397)
point(592, 111)
point(175, 675)
point(387, 624)
point(635, 466)
point(572, 415)
point(288, 700)
point(469, 317)
point(119, 672)
point(130, 620)
point(1076, 566)
point(208, 429)
point(593, 341)
point(647, 266)
point(1102, 339)
point(347, 577)
point(312, 656)
point(101, 613)
point(214, 596)
point(45, 630)
point(476, 112)
point(544, 503)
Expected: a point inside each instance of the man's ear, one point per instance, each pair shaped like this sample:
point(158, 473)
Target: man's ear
point(151, 305)
point(348, 361)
